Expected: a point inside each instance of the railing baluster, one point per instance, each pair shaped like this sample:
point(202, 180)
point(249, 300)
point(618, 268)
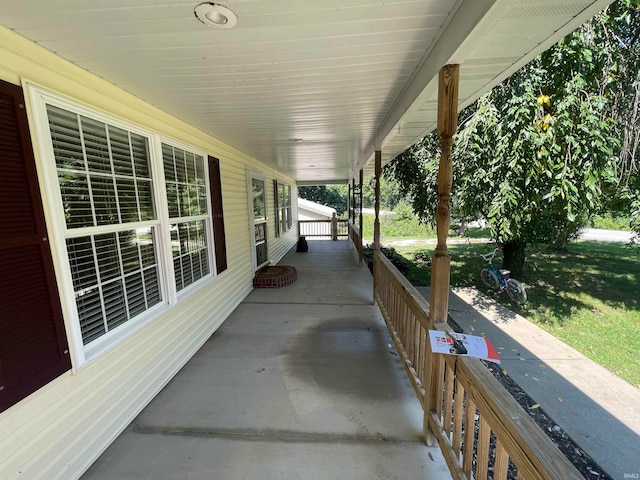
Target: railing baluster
point(458, 411)
point(501, 465)
point(469, 436)
point(482, 465)
point(448, 401)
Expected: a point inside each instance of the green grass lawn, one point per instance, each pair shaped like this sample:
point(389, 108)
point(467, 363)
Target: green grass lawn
point(588, 297)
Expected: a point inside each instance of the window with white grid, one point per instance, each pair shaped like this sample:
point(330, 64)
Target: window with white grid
point(106, 189)
point(184, 175)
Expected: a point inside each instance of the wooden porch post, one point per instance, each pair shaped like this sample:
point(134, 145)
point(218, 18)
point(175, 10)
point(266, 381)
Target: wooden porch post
point(441, 263)
point(361, 180)
point(349, 201)
point(447, 125)
point(352, 213)
point(376, 222)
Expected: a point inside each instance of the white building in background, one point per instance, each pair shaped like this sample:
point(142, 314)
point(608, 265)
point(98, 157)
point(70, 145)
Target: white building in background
point(308, 210)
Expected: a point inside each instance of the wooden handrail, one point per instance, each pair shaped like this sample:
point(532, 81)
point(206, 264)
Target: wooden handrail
point(482, 431)
point(323, 228)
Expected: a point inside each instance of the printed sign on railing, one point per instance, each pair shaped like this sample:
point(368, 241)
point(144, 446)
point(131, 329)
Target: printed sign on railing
point(463, 344)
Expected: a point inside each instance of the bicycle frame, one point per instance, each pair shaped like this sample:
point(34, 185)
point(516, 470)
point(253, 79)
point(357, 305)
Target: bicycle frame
point(501, 280)
point(503, 275)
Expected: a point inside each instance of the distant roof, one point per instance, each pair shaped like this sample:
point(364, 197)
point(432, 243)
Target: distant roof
point(315, 207)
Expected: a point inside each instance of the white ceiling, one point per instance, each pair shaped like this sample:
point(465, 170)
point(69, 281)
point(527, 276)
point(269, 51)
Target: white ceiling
point(346, 77)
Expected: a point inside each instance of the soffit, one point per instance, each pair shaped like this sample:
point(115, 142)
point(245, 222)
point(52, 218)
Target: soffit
point(345, 77)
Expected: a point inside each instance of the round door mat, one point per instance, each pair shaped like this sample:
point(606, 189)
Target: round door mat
point(275, 277)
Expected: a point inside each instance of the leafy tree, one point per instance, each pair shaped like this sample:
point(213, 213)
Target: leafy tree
point(619, 29)
point(390, 194)
point(334, 196)
point(534, 156)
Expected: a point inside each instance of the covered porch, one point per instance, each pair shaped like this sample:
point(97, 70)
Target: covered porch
point(300, 382)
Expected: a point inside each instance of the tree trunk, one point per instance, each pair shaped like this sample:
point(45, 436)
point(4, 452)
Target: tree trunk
point(513, 257)
point(559, 237)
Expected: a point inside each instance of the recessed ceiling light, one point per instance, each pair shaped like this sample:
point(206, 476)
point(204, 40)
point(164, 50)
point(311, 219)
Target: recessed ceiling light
point(215, 15)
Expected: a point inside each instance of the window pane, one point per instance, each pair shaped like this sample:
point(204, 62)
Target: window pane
point(129, 251)
point(104, 200)
point(135, 294)
point(177, 267)
point(65, 138)
point(183, 200)
point(140, 155)
point(120, 151)
point(95, 145)
point(190, 252)
point(76, 201)
point(145, 241)
point(90, 313)
point(122, 289)
point(258, 198)
point(115, 157)
point(184, 182)
point(145, 197)
point(82, 263)
point(128, 200)
point(190, 162)
point(200, 180)
point(152, 288)
point(169, 163)
point(187, 271)
point(202, 199)
point(116, 313)
point(107, 256)
point(181, 170)
point(172, 199)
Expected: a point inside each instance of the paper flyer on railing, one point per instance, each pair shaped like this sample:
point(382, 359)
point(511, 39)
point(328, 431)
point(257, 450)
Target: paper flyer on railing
point(463, 344)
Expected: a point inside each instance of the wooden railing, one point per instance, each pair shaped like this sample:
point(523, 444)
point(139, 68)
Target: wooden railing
point(334, 229)
point(482, 431)
point(356, 240)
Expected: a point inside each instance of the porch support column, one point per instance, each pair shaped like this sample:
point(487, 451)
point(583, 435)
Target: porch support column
point(376, 222)
point(349, 201)
point(361, 181)
point(447, 125)
point(441, 263)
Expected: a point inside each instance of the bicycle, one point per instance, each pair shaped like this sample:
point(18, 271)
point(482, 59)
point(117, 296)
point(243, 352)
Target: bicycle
point(500, 280)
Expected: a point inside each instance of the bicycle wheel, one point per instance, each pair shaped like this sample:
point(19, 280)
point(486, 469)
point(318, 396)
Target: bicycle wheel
point(490, 279)
point(516, 291)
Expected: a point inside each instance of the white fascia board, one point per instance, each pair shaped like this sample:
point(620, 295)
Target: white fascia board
point(470, 16)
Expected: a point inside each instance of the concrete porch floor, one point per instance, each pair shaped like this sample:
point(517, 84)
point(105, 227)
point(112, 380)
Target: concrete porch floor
point(300, 382)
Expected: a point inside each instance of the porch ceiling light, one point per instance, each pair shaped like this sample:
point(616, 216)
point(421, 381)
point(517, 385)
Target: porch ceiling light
point(215, 15)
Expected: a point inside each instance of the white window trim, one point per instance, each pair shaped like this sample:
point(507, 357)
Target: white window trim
point(81, 354)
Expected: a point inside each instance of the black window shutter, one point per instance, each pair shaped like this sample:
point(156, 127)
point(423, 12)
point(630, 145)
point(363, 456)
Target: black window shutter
point(218, 217)
point(276, 206)
point(289, 211)
point(33, 345)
